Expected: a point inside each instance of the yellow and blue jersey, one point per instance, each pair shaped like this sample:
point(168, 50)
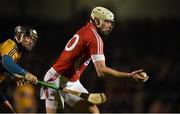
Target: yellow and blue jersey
point(9, 47)
point(10, 55)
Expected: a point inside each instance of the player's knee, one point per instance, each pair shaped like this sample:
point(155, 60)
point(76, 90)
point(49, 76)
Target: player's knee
point(51, 104)
point(93, 109)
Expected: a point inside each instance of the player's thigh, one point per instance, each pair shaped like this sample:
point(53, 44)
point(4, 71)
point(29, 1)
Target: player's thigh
point(85, 106)
point(71, 99)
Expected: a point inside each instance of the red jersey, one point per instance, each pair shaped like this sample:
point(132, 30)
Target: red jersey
point(85, 45)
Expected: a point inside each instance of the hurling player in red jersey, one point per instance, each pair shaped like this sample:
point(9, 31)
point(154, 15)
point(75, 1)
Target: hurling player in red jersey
point(84, 46)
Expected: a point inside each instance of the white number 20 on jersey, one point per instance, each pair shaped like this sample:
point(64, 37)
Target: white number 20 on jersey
point(70, 46)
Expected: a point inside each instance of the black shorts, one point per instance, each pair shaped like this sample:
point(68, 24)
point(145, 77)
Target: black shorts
point(2, 98)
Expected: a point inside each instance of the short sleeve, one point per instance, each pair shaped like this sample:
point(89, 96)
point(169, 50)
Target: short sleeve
point(95, 45)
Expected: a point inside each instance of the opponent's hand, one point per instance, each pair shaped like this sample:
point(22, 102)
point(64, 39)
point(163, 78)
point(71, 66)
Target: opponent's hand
point(31, 78)
point(20, 80)
point(139, 75)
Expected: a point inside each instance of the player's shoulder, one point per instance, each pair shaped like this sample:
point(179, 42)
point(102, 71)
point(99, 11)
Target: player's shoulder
point(90, 31)
point(90, 27)
point(9, 42)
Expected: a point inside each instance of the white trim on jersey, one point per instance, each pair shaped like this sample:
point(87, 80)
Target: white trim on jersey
point(99, 42)
point(87, 62)
point(97, 57)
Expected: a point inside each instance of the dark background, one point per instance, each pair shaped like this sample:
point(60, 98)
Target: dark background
point(145, 35)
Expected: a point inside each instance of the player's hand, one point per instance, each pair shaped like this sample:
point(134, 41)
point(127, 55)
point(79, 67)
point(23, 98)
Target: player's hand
point(31, 78)
point(20, 80)
point(139, 75)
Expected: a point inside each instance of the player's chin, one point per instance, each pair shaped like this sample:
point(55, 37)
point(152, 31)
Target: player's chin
point(106, 33)
point(27, 49)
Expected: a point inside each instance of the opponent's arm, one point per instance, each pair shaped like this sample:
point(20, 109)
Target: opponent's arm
point(13, 68)
point(103, 70)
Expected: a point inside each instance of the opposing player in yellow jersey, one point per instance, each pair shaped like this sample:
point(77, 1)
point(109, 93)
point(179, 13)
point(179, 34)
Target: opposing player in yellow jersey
point(10, 53)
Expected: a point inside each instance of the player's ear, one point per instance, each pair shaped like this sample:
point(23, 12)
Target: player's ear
point(97, 21)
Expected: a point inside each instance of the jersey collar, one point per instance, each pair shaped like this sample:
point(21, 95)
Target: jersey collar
point(91, 25)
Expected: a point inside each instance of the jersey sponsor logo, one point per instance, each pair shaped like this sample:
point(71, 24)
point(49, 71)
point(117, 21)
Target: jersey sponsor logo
point(72, 43)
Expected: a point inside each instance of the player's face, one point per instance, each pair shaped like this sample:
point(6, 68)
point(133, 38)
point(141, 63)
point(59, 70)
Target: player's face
point(28, 42)
point(106, 27)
